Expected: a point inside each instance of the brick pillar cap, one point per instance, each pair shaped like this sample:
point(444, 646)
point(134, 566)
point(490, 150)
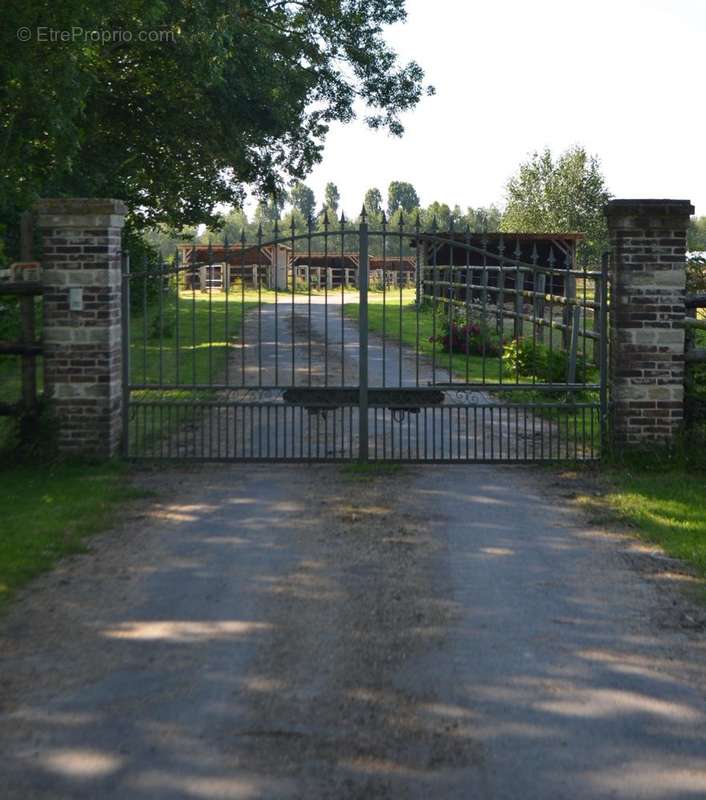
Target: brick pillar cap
point(650, 206)
point(79, 206)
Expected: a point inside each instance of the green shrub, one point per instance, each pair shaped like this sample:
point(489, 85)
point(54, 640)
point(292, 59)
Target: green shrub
point(534, 359)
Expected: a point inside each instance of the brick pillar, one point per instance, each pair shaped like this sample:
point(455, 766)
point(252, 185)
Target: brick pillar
point(81, 240)
point(648, 243)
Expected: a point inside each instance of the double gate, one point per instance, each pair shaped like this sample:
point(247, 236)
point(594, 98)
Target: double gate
point(349, 343)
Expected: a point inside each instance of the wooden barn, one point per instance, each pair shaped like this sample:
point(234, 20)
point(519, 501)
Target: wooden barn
point(486, 252)
point(217, 266)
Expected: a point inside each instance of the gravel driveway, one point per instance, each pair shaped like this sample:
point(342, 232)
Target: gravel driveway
point(303, 632)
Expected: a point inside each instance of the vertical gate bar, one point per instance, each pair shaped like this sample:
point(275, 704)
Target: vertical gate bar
point(500, 300)
point(584, 312)
point(401, 282)
point(242, 312)
point(467, 298)
point(426, 434)
point(492, 435)
point(259, 307)
point(432, 435)
point(193, 319)
point(475, 433)
point(483, 431)
point(519, 288)
point(409, 435)
point(293, 289)
point(597, 300)
point(604, 354)
point(308, 283)
point(276, 410)
point(434, 282)
point(274, 271)
point(592, 432)
point(225, 281)
point(126, 354)
point(259, 430)
point(144, 320)
point(384, 315)
point(342, 273)
point(350, 425)
point(419, 283)
point(467, 441)
point(363, 272)
point(451, 426)
point(392, 434)
point(574, 343)
point(326, 262)
point(569, 293)
point(416, 435)
point(451, 304)
point(209, 273)
point(552, 289)
point(177, 332)
point(484, 303)
point(161, 319)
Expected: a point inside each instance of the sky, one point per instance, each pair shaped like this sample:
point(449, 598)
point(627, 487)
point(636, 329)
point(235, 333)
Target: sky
point(623, 78)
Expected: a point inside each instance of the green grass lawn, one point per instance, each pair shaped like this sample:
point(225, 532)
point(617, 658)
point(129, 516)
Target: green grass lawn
point(48, 511)
point(185, 343)
point(664, 507)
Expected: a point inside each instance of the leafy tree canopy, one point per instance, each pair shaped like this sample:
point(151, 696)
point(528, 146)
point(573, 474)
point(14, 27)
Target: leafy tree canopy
point(238, 92)
point(372, 203)
point(559, 196)
point(401, 195)
point(697, 235)
point(302, 198)
point(331, 197)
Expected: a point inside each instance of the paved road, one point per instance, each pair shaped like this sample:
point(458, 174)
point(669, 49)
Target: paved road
point(289, 632)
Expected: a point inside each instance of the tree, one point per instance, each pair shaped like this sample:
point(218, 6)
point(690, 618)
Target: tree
point(373, 203)
point(401, 195)
point(229, 94)
point(484, 218)
point(697, 235)
point(302, 198)
point(439, 213)
point(559, 196)
point(331, 197)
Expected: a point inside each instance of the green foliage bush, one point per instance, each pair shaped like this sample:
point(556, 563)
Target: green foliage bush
point(696, 275)
point(529, 358)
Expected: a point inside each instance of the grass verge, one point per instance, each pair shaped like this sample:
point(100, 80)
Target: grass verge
point(48, 511)
point(663, 507)
point(183, 343)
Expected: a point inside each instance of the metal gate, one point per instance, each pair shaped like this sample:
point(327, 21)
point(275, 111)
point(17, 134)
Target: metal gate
point(371, 343)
